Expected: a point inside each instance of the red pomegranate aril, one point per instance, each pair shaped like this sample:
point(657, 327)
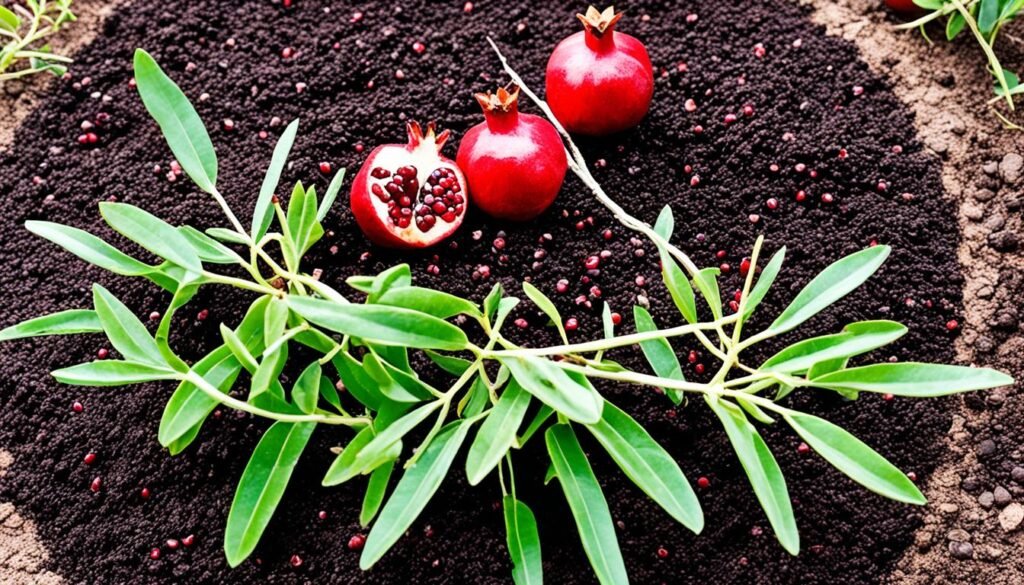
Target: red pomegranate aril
point(188, 540)
point(383, 200)
point(295, 561)
point(89, 458)
point(616, 318)
point(96, 485)
point(571, 324)
point(356, 542)
point(154, 554)
point(325, 168)
point(772, 203)
point(952, 325)
point(77, 406)
point(172, 543)
point(514, 163)
point(744, 266)
point(144, 493)
point(599, 81)
point(703, 482)
point(803, 449)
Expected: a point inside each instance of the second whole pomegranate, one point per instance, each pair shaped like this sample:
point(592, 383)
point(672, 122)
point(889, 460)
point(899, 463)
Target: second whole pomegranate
point(514, 163)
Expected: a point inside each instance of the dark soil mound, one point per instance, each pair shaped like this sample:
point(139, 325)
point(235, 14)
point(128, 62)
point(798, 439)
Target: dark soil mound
point(813, 100)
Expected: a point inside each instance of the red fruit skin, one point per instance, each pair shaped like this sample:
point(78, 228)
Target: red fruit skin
point(515, 164)
point(599, 85)
point(904, 6)
point(362, 205)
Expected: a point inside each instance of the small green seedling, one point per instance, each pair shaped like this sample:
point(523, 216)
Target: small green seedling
point(24, 30)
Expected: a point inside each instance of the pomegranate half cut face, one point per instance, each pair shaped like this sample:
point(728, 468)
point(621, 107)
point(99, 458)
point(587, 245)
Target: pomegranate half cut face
point(409, 196)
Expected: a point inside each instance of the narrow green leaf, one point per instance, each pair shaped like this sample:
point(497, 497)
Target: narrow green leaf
point(497, 433)
point(307, 388)
point(413, 492)
point(395, 431)
point(478, 398)
point(764, 282)
point(541, 417)
point(851, 456)
point(913, 379)
point(262, 486)
point(544, 304)
point(359, 384)
point(226, 235)
point(571, 396)
point(152, 233)
point(955, 25)
point(265, 378)
point(381, 324)
point(275, 321)
point(238, 348)
point(209, 249)
point(262, 214)
point(988, 15)
point(678, 287)
point(345, 466)
point(178, 121)
point(89, 248)
point(397, 276)
point(523, 543)
point(659, 353)
point(762, 470)
point(835, 282)
point(856, 339)
point(303, 225)
point(124, 330)
point(112, 373)
point(707, 283)
point(505, 307)
point(375, 491)
point(492, 299)
point(432, 302)
point(588, 505)
point(666, 223)
point(9, 21)
point(648, 465)
point(395, 384)
point(61, 323)
point(755, 411)
point(188, 407)
point(330, 195)
point(455, 366)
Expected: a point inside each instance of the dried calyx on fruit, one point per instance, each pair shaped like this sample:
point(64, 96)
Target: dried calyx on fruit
point(409, 196)
point(515, 163)
point(599, 81)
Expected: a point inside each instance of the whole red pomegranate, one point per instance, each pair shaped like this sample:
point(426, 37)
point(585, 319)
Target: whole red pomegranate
point(408, 195)
point(599, 81)
point(904, 6)
point(515, 163)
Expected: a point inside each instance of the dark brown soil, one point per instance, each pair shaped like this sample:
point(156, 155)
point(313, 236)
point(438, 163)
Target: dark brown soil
point(807, 109)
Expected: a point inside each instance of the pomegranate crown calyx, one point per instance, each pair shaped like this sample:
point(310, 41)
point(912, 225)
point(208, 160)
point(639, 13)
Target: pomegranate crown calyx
point(599, 22)
point(419, 139)
point(503, 100)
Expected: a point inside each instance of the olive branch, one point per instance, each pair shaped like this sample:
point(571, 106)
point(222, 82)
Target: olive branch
point(509, 392)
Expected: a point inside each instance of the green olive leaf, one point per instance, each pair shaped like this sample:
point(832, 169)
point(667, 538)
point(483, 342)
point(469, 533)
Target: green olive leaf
point(178, 121)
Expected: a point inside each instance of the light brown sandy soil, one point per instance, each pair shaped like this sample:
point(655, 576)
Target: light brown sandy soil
point(22, 555)
point(968, 537)
point(972, 534)
point(18, 97)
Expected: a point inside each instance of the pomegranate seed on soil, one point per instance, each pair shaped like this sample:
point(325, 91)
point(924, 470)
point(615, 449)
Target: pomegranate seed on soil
point(89, 458)
point(571, 324)
point(154, 554)
point(325, 168)
point(77, 406)
point(172, 544)
point(295, 561)
point(802, 448)
point(703, 482)
point(662, 553)
point(102, 353)
point(96, 485)
point(144, 493)
point(188, 540)
point(356, 542)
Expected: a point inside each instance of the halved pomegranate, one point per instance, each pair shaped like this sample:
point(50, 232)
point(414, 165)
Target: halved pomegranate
point(409, 196)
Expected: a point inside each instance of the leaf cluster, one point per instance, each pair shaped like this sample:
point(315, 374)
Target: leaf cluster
point(23, 29)
point(402, 431)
